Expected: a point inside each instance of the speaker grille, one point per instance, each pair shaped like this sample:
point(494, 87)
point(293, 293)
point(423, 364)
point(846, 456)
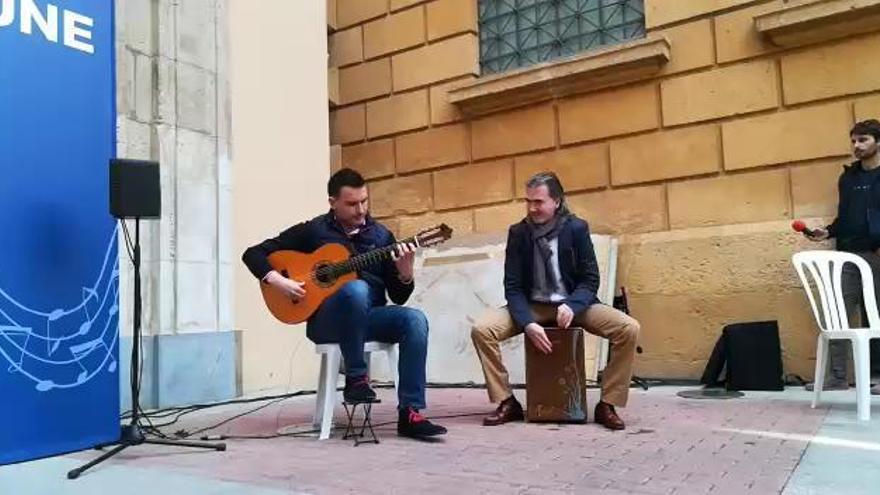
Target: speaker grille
point(134, 189)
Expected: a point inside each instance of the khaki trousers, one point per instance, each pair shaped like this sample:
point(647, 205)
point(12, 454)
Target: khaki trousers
point(496, 325)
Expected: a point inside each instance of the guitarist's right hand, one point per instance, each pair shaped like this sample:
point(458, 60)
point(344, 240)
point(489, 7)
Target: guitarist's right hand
point(291, 288)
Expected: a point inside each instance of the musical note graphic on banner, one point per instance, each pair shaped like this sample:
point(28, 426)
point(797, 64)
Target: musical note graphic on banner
point(63, 348)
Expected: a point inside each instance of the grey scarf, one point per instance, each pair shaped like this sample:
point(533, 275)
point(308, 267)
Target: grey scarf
point(545, 281)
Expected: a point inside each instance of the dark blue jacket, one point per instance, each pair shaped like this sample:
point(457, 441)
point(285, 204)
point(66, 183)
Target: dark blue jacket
point(577, 265)
point(308, 236)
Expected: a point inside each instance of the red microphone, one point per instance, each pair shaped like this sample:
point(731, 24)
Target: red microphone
point(800, 226)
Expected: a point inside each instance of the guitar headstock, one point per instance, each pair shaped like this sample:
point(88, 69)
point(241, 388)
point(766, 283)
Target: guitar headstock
point(433, 235)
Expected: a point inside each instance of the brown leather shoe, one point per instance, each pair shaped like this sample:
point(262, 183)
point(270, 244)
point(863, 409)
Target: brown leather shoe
point(606, 416)
point(509, 410)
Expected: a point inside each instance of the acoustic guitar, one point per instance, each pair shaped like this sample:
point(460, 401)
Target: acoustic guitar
point(327, 269)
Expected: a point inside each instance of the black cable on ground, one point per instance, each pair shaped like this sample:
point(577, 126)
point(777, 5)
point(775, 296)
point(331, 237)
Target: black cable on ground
point(180, 411)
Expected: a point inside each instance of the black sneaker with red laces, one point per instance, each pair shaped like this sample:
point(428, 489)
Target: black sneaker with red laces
point(412, 424)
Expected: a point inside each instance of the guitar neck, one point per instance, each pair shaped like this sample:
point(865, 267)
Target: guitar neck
point(369, 258)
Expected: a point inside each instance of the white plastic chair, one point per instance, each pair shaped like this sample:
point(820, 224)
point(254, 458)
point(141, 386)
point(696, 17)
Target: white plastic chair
point(826, 270)
point(330, 358)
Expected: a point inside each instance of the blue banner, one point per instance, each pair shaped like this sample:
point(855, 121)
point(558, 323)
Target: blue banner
point(59, 371)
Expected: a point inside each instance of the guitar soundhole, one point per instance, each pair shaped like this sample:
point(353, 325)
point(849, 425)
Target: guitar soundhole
point(324, 274)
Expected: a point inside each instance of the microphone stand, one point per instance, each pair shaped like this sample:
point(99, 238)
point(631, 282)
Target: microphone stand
point(133, 433)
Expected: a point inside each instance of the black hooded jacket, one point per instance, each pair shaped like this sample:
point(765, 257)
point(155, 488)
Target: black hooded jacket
point(857, 226)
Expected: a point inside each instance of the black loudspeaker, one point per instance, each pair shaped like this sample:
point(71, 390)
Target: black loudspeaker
point(751, 352)
point(134, 189)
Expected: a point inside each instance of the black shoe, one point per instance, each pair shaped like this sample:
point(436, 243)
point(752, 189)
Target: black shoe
point(509, 410)
point(358, 390)
point(412, 424)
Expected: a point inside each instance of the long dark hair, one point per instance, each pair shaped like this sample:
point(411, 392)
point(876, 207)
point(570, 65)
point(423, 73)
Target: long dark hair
point(554, 187)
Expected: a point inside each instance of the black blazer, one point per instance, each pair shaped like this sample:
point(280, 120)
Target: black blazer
point(577, 265)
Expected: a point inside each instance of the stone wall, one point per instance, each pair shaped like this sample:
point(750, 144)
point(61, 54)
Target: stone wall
point(699, 169)
point(173, 107)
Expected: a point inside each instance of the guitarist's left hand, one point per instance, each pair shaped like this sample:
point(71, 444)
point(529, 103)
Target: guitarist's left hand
point(404, 257)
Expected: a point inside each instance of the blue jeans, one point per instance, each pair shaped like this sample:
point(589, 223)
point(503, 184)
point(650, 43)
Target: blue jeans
point(348, 318)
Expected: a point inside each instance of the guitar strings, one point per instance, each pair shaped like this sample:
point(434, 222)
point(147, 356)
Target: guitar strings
point(335, 270)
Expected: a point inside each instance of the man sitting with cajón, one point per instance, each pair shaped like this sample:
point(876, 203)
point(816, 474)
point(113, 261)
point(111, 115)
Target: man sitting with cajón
point(550, 279)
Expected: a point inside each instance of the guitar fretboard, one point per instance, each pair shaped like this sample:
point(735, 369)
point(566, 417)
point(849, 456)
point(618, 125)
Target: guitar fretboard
point(362, 261)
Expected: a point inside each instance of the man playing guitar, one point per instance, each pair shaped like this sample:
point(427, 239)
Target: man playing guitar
point(358, 311)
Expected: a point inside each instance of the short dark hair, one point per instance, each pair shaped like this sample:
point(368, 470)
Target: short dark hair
point(870, 127)
point(554, 188)
point(345, 177)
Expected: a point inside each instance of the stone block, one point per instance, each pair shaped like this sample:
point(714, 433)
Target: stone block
point(350, 12)
point(167, 28)
point(719, 92)
point(348, 124)
point(196, 27)
point(167, 152)
point(402, 4)
point(803, 134)
point(125, 77)
point(480, 183)
point(196, 99)
point(225, 287)
point(736, 37)
point(335, 158)
point(401, 195)
point(226, 252)
point(666, 155)
point(196, 296)
point(364, 81)
point(518, 131)
point(397, 113)
point(346, 47)
point(224, 162)
point(449, 59)
point(742, 198)
point(196, 157)
point(579, 168)
point(448, 17)
point(135, 24)
point(609, 113)
point(867, 108)
point(619, 211)
point(224, 107)
point(690, 46)
point(196, 216)
point(333, 87)
point(662, 12)
point(372, 159)
point(134, 139)
point(442, 111)
point(393, 33)
point(814, 188)
point(166, 91)
point(828, 70)
point(434, 147)
point(144, 87)
point(679, 332)
point(332, 23)
point(498, 218)
point(721, 275)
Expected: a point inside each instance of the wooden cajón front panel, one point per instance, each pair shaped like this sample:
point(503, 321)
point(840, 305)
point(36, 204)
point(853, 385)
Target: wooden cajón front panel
point(556, 382)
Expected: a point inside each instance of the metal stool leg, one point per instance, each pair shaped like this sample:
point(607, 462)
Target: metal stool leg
point(366, 424)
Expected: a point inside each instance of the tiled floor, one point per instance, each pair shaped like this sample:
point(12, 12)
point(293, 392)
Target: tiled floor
point(762, 443)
